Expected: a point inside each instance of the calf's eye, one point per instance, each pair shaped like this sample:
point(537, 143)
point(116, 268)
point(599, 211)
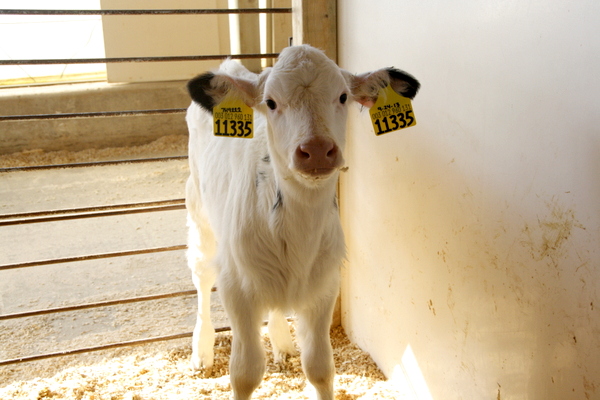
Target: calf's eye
point(271, 104)
point(343, 98)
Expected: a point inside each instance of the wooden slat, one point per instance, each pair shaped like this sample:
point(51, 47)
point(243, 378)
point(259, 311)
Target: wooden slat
point(315, 23)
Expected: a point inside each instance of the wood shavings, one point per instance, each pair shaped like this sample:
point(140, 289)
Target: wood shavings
point(163, 371)
point(166, 146)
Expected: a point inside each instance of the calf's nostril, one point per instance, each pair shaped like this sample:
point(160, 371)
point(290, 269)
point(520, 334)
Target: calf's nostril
point(302, 153)
point(333, 152)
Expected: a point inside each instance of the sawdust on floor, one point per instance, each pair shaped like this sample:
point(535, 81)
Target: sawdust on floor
point(166, 146)
point(164, 372)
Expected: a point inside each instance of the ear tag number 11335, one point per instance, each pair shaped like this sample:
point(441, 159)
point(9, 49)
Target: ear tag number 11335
point(233, 118)
point(391, 112)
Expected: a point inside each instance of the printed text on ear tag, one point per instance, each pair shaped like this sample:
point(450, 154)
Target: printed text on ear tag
point(391, 112)
point(233, 118)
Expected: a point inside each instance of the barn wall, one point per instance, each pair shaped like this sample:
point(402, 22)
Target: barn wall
point(163, 36)
point(474, 238)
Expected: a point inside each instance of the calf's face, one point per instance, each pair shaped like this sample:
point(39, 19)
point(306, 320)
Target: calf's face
point(305, 98)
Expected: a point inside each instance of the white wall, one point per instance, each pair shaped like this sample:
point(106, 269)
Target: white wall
point(474, 237)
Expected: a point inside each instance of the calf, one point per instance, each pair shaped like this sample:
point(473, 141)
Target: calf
point(262, 212)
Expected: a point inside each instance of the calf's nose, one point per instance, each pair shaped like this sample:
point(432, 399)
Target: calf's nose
point(317, 156)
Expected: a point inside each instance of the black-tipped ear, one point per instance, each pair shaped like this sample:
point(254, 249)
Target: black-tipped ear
point(198, 89)
point(403, 83)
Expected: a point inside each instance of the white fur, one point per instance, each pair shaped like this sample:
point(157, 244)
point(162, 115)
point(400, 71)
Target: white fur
point(267, 232)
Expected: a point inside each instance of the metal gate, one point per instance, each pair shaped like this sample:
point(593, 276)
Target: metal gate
point(47, 219)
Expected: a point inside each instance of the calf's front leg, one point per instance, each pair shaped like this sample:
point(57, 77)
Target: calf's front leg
point(247, 363)
point(315, 347)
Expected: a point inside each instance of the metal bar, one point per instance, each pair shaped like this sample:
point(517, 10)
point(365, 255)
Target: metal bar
point(150, 12)
point(92, 164)
point(126, 206)
point(137, 342)
point(93, 215)
point(97, 305)
point(92, 257)
point(136, 59)
point(91, 114)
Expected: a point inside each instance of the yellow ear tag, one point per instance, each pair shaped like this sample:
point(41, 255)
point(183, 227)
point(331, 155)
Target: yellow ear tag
point(233, 118)
point(391, 112)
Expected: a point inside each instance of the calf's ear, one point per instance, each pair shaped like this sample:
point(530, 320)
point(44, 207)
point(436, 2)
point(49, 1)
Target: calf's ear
point(365, 87)
point(210, 89)
point(199, 89)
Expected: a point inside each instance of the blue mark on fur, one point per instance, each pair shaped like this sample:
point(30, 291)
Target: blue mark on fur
point(278, 201)
point(260, 177)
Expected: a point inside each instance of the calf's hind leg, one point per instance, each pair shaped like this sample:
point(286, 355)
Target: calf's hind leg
point(203, 340)
point(203, 277)
point(279, 333)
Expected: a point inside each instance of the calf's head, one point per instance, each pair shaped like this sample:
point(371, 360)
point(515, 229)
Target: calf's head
point(305, 98)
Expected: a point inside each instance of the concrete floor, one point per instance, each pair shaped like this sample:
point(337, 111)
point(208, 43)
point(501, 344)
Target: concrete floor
point(57, 285)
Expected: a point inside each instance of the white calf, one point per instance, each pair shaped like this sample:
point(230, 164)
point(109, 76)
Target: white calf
point(263, 218)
